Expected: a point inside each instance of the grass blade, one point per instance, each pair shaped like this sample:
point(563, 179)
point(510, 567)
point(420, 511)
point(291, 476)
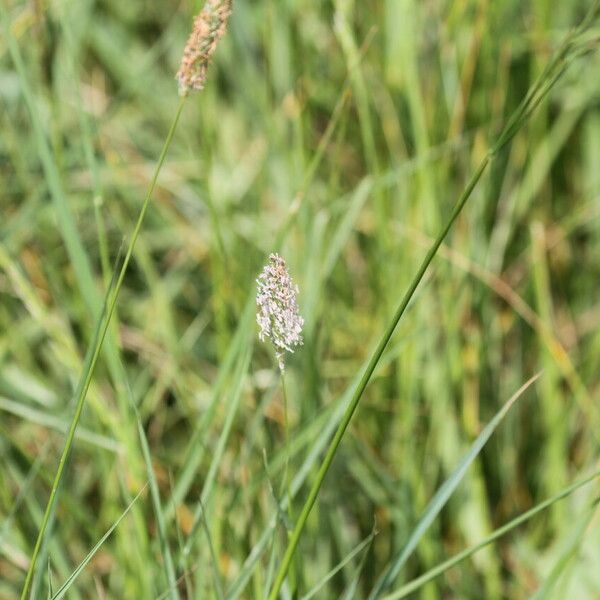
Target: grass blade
point(23, 492)
point(444, 492)
point(196, 446)
point(537, 93)
point(220, 448)
point(410, 587)
point(158, 511)
point(64, 588)
point(571, 549)
point(364, 380)
point(334, 416)
point(350, 591)
point(39, 417)
point(359, 548)
point(94, 352)
point(214, 563)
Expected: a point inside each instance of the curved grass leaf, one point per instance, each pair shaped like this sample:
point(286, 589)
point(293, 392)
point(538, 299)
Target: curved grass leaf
point(410, 587)
point(443, 494)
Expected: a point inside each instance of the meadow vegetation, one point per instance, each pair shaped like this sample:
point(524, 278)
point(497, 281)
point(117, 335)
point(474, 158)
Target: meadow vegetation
point(347, 137)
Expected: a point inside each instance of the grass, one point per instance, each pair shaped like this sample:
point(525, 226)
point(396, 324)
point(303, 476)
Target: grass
point(339, 135)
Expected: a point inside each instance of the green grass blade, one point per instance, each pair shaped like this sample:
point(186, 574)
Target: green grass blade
point(221, 444)
point(75, 247)
point(351, 588)
point(444, 492)
point(196, 447)
point(80, 395)
point(571, 549)
point(280, 516)
point(158, 511)
point(518, 119)
point(24, 491)
point(410, 587)
point(334, 417)
point(94, 352)
point(340, 236)
point(357, 550)
point(42, 418)
point(214, 563)
point(50, 586)
point(64, 588)
point(362, 384)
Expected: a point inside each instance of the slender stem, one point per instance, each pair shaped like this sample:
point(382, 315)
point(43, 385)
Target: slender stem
point(87, 376)
point(370, 368)
point(286, 436)
point(538, 91)
point(287, 488)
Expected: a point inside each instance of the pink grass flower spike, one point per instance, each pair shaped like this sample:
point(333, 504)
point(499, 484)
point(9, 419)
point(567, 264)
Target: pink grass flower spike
point(209, 27)
point(278, 315)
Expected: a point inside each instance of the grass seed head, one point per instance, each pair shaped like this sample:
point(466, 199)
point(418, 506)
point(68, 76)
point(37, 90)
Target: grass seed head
point(278, 315)
point(209, 27)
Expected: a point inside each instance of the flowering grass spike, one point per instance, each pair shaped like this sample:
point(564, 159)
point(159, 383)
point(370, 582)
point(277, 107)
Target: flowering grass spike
point(278, 315)
point(209, 27)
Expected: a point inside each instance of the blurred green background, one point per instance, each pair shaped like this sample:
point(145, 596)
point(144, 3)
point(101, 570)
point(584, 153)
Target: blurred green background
point(339, 134)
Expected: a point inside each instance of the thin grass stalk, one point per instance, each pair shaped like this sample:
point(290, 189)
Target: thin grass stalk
point(286, 441)
point(371, 366)
point(286, 484)
point(86, 376)
point(551, 74)
point(326, 578)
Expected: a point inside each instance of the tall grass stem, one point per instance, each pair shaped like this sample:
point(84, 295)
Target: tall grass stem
point(538, 91)
point(86, 376)
point(371, 366)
